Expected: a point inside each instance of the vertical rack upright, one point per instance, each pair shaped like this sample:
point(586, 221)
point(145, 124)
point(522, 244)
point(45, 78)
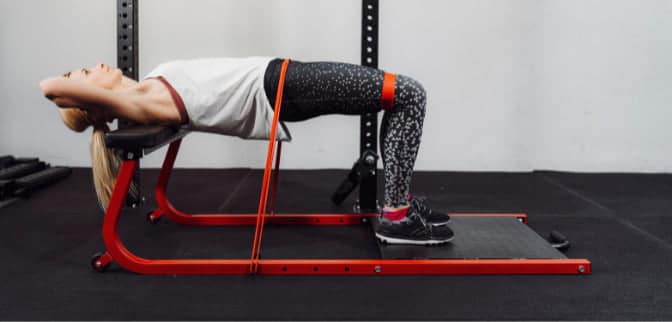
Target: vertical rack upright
point(369, 121)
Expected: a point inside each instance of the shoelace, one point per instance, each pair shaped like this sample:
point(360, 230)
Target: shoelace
point(420, 203)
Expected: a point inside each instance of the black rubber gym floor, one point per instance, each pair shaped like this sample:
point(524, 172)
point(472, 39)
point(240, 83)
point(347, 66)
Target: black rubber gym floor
point(621, 222)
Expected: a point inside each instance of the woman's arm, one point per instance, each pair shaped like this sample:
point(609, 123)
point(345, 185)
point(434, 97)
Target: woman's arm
point(70, 93)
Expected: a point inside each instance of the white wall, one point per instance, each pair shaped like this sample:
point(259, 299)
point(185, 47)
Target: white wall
point(41, 38)
point(513, 84)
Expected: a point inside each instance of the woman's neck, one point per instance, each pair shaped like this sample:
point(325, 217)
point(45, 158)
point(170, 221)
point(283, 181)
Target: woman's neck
point(128, 82)
point(129, 86)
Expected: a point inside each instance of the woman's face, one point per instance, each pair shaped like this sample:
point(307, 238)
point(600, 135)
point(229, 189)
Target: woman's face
point(101, 75)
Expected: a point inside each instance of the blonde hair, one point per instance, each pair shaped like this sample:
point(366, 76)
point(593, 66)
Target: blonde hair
point(104, 161)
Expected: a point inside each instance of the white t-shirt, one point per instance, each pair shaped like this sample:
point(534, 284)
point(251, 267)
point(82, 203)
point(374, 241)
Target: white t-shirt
point(222, 95)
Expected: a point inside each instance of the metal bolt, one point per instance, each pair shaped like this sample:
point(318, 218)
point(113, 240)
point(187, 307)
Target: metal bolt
point(370, 159)
point(581, 269)
point(378, 269)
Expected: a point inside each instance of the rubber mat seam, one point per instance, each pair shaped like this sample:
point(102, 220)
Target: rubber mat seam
point(609, 213)
point(234, 191)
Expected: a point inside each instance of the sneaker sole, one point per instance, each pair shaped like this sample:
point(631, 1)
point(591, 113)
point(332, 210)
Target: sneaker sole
point(390, 240)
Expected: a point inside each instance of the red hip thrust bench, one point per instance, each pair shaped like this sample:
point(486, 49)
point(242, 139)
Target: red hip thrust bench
point(474, 251)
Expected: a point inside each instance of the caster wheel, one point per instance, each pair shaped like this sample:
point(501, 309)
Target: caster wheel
point(152, 219)
point(97, 264)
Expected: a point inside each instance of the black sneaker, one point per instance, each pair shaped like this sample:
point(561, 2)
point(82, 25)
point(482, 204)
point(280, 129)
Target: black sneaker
point(412, 230)
point(430, 216)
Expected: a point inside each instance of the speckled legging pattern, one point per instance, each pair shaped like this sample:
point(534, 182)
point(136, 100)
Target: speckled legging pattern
point(320, 88)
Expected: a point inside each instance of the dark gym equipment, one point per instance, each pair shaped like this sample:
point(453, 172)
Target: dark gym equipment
point(362, 170)
point(28, 184)
point(21, 169)
point(19, 177)
point(6, 189)
point(8, 160)
point(5, 161)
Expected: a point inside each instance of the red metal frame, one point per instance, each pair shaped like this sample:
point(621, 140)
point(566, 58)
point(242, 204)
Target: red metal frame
point(116, 251)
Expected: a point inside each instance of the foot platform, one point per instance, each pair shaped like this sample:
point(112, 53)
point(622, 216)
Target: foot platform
point(484, 244)
point(481, 237)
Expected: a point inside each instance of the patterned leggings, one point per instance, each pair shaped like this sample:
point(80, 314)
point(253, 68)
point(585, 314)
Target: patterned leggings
point(320, 88)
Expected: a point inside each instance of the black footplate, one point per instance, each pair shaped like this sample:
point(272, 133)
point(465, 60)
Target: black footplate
point(481, 237)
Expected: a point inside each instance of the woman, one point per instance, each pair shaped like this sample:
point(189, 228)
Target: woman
point(233, 96)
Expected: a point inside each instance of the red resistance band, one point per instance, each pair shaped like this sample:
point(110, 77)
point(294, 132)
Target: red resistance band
point(387, 96)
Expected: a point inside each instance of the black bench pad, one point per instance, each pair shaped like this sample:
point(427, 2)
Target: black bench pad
point(137, 137)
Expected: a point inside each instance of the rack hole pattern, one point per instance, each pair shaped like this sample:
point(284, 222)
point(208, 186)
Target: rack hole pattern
point(127, 16)
point(369, 121)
